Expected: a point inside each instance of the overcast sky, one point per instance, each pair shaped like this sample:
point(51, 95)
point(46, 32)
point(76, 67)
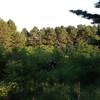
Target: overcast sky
point(44, 13)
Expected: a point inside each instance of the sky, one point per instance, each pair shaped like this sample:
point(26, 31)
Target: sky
point(45, 13)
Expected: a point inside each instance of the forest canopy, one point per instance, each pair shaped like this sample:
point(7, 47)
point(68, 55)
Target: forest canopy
point(50, 63)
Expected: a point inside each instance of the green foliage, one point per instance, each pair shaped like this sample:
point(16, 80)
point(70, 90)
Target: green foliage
point(2, 62)
point(11, 25)
point(6, 88)
point(50, 63)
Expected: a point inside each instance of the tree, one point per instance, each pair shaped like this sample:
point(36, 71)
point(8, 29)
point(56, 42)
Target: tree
point(50, 36)
point(85, 14)
point(25, 32)
point(11, 25)
point(94, 17)
point(72, 31)
point(27, 36)
point(35, 38)
point(62, 38)
point(2, 62)
point(3, 30)
point(91, 72)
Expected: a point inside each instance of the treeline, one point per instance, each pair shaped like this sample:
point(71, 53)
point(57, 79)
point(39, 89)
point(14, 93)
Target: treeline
point(50, 63)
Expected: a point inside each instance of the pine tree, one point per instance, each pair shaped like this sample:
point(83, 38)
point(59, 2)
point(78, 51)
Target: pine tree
point(85, 14)
point(95, 20)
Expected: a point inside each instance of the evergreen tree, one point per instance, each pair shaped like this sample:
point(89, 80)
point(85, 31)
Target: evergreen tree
point(35, 36)
point(85, 14)
point(11, 25)
point(95, 20)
